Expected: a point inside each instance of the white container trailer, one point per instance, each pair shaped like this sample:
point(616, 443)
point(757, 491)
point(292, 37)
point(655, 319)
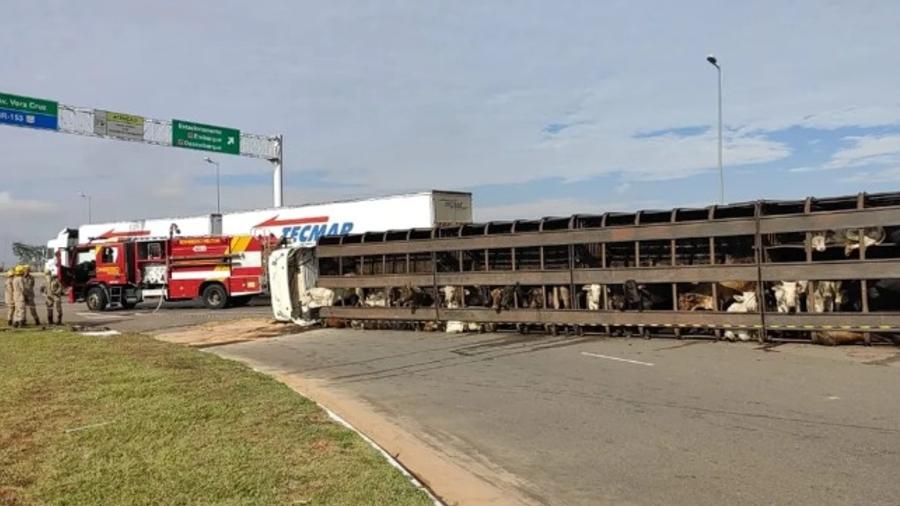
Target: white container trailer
point(187, 226)
point(300, 225)
point(305, 224)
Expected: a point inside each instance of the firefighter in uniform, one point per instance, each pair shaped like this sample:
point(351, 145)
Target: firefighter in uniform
point(28, 285)
point(9, 296)
point(53, 292)
point(19, 297)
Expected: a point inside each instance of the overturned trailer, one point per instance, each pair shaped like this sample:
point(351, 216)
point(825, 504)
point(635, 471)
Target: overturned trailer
point(761, 269)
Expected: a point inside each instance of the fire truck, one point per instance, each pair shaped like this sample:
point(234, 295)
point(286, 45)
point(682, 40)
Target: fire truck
point(220, 270)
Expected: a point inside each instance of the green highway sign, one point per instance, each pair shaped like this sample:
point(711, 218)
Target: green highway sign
point(186, 134)
point(28, 111)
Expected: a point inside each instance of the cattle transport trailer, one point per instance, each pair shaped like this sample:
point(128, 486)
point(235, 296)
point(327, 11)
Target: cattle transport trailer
point(762, 245)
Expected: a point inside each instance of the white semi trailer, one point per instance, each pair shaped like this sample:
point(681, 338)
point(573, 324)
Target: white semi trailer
point(299, 225)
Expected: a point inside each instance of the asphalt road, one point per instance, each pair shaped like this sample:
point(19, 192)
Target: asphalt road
point(145, 317)
point(586, 421)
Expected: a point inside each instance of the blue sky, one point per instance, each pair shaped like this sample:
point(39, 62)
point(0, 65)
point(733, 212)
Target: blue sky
point(538, 108)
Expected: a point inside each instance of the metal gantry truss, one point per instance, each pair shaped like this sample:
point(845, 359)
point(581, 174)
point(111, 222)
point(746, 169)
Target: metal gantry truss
point(80, 121)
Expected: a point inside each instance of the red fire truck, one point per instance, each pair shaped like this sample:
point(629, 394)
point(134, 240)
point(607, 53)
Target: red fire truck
point(221, 270)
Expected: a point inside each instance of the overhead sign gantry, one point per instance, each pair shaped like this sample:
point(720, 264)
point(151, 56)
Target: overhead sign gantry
point(38, 113)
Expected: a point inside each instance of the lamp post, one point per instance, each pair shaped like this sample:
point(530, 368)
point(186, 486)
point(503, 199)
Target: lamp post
point(88, 198)
point(218, 195)
point(715, 63)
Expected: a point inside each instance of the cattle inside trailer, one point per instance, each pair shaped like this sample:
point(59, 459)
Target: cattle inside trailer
point(825, 269)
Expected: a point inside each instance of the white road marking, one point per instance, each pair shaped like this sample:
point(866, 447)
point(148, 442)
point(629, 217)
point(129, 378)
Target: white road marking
point(618, 359)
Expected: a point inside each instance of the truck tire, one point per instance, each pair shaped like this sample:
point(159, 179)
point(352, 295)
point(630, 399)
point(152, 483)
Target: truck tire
point(241, 301)
point(214, 296)
point(96, 299)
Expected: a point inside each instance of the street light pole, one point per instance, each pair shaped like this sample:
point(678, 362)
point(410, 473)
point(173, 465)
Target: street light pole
point(88, 198)
point(715, 63)
point(218, 195)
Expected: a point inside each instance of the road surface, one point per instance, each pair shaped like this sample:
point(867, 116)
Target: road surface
point(586, 421)
point(146, 317)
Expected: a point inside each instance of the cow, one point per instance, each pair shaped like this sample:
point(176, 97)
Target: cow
point(503, 297)
point(593, 296)
point(560, 297)
point(317, 297)
point(884, 294)
point(747, 302)
point(640, 297)
point(787, 295)
point(827, 296)
point(836, 337)
point(696, 301)
point(477, 296)
point(849, 238)
point(452, 296)
point(375, 298)
point(414, 297)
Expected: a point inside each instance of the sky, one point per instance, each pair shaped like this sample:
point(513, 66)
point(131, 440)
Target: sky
point(538, 108)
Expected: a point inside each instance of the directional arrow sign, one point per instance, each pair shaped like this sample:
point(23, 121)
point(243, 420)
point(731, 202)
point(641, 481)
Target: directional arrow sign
point(28, 112)
point(186, 134)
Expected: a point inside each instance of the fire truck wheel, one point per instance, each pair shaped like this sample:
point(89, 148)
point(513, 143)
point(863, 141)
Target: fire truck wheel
point(240, 301)
point(214, 297)
point(96, 299)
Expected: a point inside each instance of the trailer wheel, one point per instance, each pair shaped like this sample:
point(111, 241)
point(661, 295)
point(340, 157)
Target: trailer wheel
point(96, 299)
point(214, 296)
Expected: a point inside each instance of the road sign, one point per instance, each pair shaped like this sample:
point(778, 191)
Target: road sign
point(28, 112)
point(117, 124)
point(186, 134)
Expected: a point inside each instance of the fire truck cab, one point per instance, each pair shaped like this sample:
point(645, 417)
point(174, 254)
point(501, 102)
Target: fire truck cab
point(220, 270)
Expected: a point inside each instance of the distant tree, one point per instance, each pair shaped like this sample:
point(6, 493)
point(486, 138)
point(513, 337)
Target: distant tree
point(29, 254)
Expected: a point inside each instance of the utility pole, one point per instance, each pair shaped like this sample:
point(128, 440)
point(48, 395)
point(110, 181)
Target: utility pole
point(218, 194)
point(88, 198)
point(715, 63)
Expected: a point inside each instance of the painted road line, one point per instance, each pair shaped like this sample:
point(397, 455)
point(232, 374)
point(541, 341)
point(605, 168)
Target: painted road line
point(618, 359)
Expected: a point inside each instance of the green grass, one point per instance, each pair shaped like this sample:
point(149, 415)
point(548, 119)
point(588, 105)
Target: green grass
point(180, 427)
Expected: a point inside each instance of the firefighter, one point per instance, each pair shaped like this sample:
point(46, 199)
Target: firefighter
point(53, 292)
point(9, 296)
point(28, 287)
point(18, 289)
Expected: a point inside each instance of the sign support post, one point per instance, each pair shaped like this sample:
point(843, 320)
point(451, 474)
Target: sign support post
point(278, 174)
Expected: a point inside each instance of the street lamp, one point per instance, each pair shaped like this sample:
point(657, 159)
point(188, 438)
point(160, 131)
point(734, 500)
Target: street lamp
point(218, 196)
point(88, 198)
point(715, 63)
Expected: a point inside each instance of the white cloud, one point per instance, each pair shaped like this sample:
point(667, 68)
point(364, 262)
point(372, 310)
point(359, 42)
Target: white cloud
point(10, 205)
point(867, 151)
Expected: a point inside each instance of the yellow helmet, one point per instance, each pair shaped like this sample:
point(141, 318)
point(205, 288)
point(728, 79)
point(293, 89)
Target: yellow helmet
point(20, 269)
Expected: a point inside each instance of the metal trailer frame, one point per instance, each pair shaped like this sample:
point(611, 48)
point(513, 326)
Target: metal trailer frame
point(759, 221)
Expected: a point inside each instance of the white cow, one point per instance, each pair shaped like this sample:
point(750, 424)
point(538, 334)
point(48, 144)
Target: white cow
point(317, 297)
point(593, 296)
point(744, 303)
point(787, 295)
point(452, 297)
